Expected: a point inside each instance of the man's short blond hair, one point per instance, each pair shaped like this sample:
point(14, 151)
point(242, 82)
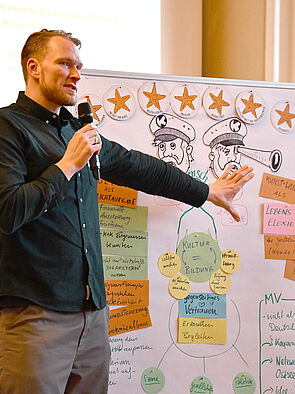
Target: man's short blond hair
point(36, 45)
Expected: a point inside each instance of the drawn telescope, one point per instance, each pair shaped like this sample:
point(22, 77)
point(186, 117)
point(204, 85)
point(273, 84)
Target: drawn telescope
point(271, 159)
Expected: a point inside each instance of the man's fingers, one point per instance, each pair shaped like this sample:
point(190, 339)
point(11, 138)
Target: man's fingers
point(226, 172)
point(224, 189)
point(89, 130)
point(234, 174)
point(238, 171)
point(245, 179)
point(85, 128)
point(89, 135)
point(234, 214)
point(96, 139)
point(239, 174)
point(243, 174)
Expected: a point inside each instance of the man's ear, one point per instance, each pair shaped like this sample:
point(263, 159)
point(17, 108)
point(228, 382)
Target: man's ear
point(33, 67)
point(189, 151)
point(211, 156)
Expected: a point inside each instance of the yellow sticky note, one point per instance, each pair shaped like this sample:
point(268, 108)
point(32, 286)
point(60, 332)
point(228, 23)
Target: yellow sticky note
point(169, 264)
point(230, 261)
point(179, 286)
point(220, 282)
point(193, 330)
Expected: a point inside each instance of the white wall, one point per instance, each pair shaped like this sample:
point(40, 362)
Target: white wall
point(115, 35)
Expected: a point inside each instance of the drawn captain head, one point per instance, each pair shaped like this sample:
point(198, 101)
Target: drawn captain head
point(173, 137)
point(224, 138)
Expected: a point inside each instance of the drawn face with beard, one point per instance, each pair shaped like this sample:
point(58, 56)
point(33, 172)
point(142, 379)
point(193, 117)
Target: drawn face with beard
point(176, 152)
point(222, 156)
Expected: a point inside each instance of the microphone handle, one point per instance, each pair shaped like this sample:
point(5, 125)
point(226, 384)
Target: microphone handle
point(95, 166)
point(94, 160)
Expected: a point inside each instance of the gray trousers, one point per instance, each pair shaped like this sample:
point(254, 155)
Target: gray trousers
point(48, 352)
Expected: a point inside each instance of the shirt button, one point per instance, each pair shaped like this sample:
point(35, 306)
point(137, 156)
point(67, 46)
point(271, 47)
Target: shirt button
point(47, 121)
point(81, 199)
point(84, 225)
point(79, 174)
point(54, 116)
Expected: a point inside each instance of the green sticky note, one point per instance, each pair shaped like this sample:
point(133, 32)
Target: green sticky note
point(152, 380)
point(201, 385)
point(123, 218)
point(244, 383)
point(200, 256)
point(124, 243)
point(125, 268)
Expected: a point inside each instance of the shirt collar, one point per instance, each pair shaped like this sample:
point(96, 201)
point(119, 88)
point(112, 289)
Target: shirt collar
point(42, 113)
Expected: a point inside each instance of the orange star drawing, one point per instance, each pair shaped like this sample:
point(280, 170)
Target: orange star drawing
point(286, 116)
point(94, 108)
point(119, 101)
point(250, 106)
point(186, 100)
point(154, 98)
point(218, 102)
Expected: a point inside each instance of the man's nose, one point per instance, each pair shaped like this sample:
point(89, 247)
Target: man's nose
point(75, 74)
point(233, 155)
point(168, 151)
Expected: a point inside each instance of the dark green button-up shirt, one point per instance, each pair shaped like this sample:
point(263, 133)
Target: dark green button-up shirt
point(49, 228)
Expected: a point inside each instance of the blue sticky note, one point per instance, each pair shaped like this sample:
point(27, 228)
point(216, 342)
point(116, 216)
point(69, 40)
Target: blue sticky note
point(203, 305)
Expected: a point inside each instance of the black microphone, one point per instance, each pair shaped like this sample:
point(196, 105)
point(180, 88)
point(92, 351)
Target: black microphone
point(85, 116)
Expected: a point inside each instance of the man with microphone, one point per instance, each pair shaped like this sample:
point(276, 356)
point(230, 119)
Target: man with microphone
point(53, 312)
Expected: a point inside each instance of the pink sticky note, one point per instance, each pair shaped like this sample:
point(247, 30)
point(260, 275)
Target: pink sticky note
point(279, 219)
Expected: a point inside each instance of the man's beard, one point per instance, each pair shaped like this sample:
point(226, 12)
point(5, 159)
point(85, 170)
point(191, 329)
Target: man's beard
point(173, 160)
point(57, 96)
point(183, 165)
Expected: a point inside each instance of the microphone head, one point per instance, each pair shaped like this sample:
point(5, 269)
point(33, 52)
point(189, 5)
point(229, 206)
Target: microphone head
point(85, 113)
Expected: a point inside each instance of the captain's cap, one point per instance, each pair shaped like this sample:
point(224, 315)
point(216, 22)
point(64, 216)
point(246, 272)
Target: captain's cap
point(230, 131)
point(167, 127)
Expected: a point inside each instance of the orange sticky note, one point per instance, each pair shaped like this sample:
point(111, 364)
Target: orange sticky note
point(278, 188)
point(127, 292)
point(279, 247)
point(128, 319)
point(109, 193)
point(290, 270)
